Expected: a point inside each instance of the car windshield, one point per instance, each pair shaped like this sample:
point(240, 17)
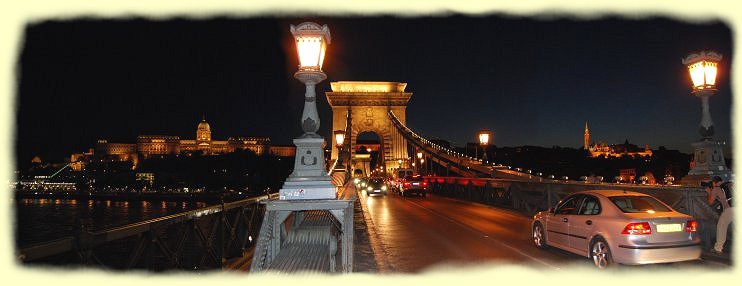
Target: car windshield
point(639, 204)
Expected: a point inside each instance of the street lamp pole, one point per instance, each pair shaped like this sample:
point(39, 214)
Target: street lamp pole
point(484, 139)
point(420, 157)
point(339, 140)
point(708, 155)
point(309, 180)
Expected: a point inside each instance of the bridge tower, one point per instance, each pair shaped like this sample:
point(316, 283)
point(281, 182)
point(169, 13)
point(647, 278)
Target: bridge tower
point(368, 104)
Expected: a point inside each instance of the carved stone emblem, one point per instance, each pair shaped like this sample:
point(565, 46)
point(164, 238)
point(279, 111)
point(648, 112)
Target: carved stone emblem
point(305, 161)
point(309, 125)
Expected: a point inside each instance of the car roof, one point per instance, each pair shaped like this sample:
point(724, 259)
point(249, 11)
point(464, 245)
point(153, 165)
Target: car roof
point(613, 193)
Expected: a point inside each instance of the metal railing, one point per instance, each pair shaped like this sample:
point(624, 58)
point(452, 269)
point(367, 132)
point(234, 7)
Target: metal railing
point(203, 238)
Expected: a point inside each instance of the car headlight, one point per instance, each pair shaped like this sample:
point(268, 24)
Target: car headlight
point(356, 180)
point(363, 184)
point(369, 188)
point(383, 188)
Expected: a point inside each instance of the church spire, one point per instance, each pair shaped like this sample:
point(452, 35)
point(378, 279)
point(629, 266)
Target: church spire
point(586, 143)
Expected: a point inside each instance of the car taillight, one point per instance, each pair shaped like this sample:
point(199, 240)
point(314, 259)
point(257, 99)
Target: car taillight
point(406, 184)
point(637, 228)
point(691, 226)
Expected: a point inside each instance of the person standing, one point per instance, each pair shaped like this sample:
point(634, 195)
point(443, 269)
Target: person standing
point(717, 194)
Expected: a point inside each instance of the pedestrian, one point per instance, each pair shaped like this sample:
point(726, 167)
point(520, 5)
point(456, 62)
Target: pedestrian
point(722, 196)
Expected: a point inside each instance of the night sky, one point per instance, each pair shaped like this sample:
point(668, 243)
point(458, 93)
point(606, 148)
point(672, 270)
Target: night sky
point(535, 82)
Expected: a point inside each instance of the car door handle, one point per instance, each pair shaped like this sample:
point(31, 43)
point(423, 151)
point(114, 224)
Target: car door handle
point(588, 222)
point(565, 219)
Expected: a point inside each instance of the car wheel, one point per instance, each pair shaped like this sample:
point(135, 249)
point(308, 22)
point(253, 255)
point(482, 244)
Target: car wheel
point(601, 254)
point(539, 237)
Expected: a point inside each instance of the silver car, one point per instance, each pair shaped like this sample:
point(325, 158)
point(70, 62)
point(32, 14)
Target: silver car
point(616, 226)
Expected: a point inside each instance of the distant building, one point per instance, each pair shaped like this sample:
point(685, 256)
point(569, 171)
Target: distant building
point(283, 151)
point(147, 146)
point(617, 150)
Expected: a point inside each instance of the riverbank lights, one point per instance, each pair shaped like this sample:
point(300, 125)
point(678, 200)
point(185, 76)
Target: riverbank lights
point(311, 43)
point(484, 137)
point(703, 70)
point(339, 138)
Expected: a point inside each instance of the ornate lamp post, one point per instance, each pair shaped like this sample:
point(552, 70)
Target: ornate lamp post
point(339, 140)
point(419, 155)
point(484, 139)
point(309, 187)
point(708, 155)
point(309, 179)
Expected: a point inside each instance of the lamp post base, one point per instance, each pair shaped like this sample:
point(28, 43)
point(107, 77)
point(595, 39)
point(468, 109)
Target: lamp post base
point(309, 181)
point(708, 161)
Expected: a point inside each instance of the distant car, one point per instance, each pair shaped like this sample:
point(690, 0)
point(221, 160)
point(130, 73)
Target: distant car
point(414, 185)
point(376, 186)
point(360, 182)
point(616, 226)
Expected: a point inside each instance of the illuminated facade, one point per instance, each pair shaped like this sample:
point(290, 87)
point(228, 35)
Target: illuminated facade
point(367, 104)
point(617, 150)
point(147, 146)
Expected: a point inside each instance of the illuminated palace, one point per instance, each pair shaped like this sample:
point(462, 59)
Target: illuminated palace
point(618, 150)
point(153, 145)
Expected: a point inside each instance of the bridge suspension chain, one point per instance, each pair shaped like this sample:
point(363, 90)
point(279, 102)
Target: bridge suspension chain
point(459, 163)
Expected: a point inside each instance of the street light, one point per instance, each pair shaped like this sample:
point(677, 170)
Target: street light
point(484, 139)
point(420, 157)
point(703, 69)
point(309, 180)
point(708, 157)
point(339, 139)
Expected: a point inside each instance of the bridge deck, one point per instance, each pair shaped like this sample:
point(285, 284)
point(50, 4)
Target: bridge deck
point(364, 259)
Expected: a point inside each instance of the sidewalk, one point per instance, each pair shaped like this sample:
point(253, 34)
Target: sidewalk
point(724, 258)
point(364, 257)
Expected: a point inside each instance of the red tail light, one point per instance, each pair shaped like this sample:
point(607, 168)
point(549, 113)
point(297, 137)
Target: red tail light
point(637, 228)
point(425, 184)
point(406, 184)
point(691, 226)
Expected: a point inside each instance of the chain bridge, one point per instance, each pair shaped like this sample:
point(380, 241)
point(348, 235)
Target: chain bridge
point(476, 211)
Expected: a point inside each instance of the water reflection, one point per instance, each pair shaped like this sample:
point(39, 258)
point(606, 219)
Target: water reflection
point(40, 220)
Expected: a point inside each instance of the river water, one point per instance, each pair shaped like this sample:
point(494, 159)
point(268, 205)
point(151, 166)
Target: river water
point(39, 220)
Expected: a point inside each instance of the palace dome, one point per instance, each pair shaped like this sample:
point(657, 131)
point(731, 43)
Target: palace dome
point(203, 126)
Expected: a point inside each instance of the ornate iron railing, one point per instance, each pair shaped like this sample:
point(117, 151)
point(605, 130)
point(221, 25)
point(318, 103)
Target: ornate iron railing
point(204, 238)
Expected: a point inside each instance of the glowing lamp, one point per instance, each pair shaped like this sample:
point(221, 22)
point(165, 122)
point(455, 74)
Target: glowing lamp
point(419, 155)
point(703, 69)
point(339, 137)
point(311, 43)
point(484, 137)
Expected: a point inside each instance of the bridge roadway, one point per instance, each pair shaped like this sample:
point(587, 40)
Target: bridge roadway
point(413, 233)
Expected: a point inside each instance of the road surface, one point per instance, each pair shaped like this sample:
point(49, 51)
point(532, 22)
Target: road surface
point(414, 233)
